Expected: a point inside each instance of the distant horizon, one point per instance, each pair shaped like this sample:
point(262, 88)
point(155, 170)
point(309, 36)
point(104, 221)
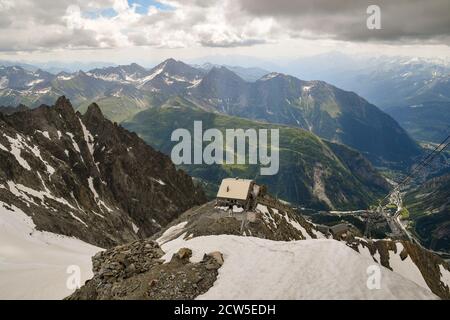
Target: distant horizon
point(226, 60)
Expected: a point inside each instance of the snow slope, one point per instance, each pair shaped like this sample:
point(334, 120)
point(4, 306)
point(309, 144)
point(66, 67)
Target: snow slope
point(34, 264)
point(256, 268)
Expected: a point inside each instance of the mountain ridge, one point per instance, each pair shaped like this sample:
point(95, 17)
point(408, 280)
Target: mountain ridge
point(83, 166)
point(316, 106)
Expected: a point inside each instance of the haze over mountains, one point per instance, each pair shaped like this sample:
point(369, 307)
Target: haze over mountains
point(316, 106)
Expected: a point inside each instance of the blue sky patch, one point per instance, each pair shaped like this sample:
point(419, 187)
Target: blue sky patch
point(143, 5)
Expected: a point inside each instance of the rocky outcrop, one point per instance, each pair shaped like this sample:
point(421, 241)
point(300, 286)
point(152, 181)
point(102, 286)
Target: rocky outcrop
point(267, 221)
point(87, 177)
point(136, 271)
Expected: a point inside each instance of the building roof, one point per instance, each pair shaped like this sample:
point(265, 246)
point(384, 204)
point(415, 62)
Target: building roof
point(342, 227)
point(234, 189)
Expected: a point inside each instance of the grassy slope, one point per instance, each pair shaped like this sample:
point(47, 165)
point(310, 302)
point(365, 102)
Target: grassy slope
point(426, 122)
point(429, 208)
point(300, 152)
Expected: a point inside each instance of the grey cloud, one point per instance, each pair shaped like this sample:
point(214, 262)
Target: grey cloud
point(49, 40)
point(402, 20)
point(48, 12)
point(39, 25)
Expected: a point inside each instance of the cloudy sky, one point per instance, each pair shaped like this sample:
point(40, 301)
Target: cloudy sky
point(147, 31)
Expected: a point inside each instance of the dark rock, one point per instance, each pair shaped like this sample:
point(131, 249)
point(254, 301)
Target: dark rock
point(184, 253)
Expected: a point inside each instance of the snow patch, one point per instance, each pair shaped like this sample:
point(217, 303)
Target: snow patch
point(195, 83)
point(65, 78)
point(171, 233)
point(78, 219)
point(407, 267)
point(37, 153)
point(135, 228)
point(16, 146)
point(99, 202)
point(75, 144)
point(34, 82)
point(44, 133)
point(33, 264)
point(297, 226)
point(270, 76)
point(159, 181)
point(4, 81)
point(91, 186)
point(257, 269)
point(2, 147)
point(89, 141)
point(24, 192)
point(153, 75)
point(445, 275)
point(266, 216)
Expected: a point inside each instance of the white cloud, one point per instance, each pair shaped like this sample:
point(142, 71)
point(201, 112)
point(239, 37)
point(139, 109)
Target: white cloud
point(45, 25)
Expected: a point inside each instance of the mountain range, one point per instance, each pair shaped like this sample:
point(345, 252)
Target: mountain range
point(386, 81)
point(123, 91)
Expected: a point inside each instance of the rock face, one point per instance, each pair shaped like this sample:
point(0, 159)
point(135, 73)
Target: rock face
point(136, 271)
point(87, 177)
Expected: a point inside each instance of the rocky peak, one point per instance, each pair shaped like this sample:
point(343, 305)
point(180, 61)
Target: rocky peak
point(94, 113)
point(64, 108)
point(170, 62)
point(63, 104)
point(221, 83)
